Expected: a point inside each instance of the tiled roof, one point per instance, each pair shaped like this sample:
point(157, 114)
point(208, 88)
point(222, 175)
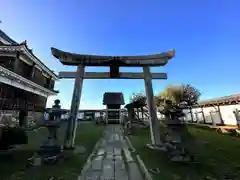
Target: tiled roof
point(15, 44)
point(221, 100)
point(7, 38)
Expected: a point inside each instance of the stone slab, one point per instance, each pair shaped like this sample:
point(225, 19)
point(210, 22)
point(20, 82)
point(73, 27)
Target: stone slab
point(100, 152)
point(91, 175)
point(117, 151)
point(121, 175)
point(108, 170)
point(97, 163)
point(134, 172)
point(119, 164)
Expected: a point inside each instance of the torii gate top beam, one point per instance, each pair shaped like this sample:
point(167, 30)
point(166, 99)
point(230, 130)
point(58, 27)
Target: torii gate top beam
point(68, 58)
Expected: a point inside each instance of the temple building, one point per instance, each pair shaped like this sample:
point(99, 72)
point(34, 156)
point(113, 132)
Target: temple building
point(113, 102)
point(25, 82)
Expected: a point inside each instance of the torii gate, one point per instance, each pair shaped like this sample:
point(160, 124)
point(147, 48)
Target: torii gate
point(114, 62)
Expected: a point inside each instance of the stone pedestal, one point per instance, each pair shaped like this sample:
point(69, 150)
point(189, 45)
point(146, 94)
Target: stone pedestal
point(50, 152)
point(175, 142)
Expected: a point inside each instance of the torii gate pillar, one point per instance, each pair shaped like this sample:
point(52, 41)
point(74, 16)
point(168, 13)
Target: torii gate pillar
point(154, 124)
point(77, 91)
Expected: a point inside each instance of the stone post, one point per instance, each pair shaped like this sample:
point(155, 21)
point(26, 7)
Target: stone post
point(130, 119)
point(72, 121)
point(191, 113)
point(154, 124)
point(138, 114)
point(220, 115)
point(197, 117)
point(212, 118)
point(237, 116)
point(142, 113)
point(204, 119)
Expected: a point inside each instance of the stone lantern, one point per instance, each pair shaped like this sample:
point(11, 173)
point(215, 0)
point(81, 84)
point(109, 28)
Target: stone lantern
point(176, 131)
point(50, 151)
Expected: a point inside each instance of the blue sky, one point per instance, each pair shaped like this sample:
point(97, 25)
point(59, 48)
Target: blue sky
point(205, 34)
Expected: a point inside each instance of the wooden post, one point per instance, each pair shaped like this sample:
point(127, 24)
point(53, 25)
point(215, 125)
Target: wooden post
point(33, 70)
point(154, 124)
point(72, 121)
point(106, 120)
point(16, 63)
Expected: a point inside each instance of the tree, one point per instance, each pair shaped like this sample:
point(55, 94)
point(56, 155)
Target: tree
point(186, 94)
point(138, 97)
point(190, 95)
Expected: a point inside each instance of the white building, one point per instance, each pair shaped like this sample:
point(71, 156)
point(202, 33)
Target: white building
point(219, 111)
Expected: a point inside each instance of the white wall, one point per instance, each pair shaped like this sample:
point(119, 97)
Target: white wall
point(228, 115)
point(187, 115)
point(226, 112)
point(206, 111)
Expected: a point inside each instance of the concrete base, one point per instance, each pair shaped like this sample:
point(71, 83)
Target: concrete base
point(75, 149)
point(155, 147)
point(80, 150)
point(180, 159)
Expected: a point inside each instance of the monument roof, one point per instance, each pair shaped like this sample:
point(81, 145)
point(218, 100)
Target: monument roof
point(113, 98)
point(68, 58)
point(137, 104)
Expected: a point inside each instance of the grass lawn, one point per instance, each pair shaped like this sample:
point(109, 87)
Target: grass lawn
point(13, 167)
point(217, 156)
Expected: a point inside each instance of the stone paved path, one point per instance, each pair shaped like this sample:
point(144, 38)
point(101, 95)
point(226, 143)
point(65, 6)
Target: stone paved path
point(112, 160)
